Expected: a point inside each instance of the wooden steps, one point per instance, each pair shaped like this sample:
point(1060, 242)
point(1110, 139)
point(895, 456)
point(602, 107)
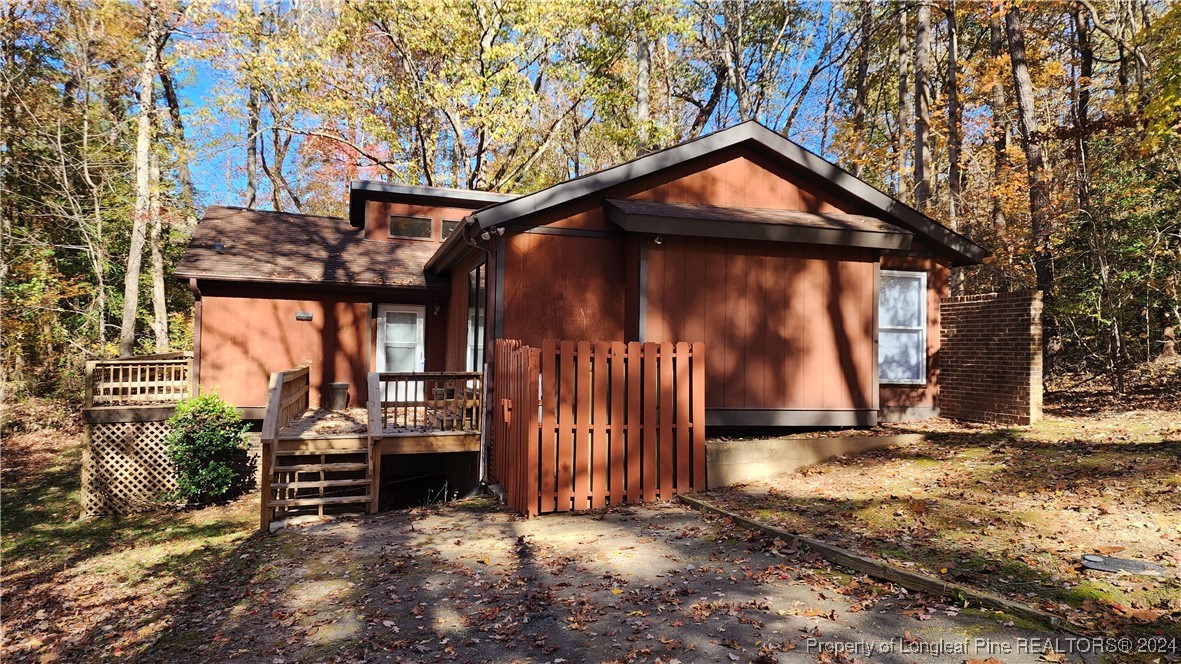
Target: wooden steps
point(333, 500)
point(321, 467)
point(318, 476)
point(317, 484)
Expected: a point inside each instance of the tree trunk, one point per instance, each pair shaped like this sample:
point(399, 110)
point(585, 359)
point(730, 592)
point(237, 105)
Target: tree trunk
point(999, 114)
point(143, 148)
point(859, 110)
point(1039, 178)
point(252, 138)
point(955, 176)
point(643, 82)
point(901, 189)
point(187, 198)
point(159, 299)
point(922, 104)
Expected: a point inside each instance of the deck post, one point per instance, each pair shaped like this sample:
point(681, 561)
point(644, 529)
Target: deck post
point(264, 521)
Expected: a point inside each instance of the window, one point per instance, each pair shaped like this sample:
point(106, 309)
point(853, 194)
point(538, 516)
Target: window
point(902, 328)
point(410, 227)
point(477, 281)
point(449, 226)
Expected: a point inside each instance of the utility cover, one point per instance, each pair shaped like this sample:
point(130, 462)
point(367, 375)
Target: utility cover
point(1110, 564)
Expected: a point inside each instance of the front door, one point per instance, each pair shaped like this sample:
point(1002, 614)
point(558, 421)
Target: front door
point(400, 335)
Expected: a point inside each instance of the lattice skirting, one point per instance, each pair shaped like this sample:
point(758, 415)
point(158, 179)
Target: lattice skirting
point(125, 468)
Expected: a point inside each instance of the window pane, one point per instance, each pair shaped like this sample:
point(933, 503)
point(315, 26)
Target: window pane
point(901, 301)
point(449, 226)
point(400, 359)
point(401, 326)
point(900, 356)
point(410, 226)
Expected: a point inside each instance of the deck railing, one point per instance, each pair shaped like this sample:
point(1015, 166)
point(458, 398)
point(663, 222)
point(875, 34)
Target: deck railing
point(145, 380)
point(438, 401)
point(287, 399)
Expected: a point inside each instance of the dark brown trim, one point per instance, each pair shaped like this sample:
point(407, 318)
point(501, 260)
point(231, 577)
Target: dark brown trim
point(361, 191)
point(498, 306)
point(877, 288)
point(351, 287)
point(670, 224)
point(573, 232)
point(106, 414)
point(759, 417)
point(195, 379)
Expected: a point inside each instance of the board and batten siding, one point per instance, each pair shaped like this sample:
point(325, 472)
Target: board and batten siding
point(562, 287)
point(245, 339)
point(786, 326)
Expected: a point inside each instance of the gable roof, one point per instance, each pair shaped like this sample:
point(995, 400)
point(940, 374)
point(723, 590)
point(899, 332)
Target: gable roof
point(236, 244)
point(962, 250)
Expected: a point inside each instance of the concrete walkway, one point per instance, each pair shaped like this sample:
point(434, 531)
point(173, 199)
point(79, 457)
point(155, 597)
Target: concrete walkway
point(470, 583)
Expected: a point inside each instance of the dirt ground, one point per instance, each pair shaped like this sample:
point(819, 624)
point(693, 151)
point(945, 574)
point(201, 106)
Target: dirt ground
point(470, 583)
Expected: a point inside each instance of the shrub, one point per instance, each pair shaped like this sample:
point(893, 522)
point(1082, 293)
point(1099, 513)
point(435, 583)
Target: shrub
point(207, 445)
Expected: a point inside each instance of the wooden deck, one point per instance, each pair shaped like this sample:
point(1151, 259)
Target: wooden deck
point(315, 429)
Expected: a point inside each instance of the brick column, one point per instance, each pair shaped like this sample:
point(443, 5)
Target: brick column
point(991, 358)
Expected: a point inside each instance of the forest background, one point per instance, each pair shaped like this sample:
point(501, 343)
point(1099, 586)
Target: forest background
point(1049, 132)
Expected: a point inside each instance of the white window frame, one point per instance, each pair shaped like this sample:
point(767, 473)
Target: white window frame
point(922, 327)
point(420, 345)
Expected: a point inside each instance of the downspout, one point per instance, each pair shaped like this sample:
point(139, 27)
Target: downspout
point(196, 368)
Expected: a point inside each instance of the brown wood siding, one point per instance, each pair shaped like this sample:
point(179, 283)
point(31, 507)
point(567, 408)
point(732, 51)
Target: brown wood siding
point(248, 331)
point(564, 287)
point(244, 340)
point(785, 326)
point(938, 287)
point(377, 218)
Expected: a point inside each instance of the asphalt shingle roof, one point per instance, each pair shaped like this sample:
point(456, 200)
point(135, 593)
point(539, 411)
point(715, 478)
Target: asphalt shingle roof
point(237, 244)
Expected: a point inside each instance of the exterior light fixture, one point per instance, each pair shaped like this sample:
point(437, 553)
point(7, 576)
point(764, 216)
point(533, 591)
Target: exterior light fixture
point(659, 239)
point(303, 315)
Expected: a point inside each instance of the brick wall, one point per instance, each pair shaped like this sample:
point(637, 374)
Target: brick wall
point(991, 358)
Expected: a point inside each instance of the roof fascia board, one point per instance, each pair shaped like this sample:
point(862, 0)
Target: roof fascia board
point(358, 190)
point(303, 283)
point(749, 230)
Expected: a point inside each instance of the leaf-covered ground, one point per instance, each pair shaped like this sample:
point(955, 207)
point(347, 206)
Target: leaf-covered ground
point(464, 582)
point(1008, 510)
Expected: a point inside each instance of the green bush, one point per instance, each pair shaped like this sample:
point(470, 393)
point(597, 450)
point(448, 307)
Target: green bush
point(207, 445)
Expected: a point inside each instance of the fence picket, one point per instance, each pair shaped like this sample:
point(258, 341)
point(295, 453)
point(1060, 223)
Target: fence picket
point(549, 426)
point(601, 378)
point(682, 417)
point(617, 457)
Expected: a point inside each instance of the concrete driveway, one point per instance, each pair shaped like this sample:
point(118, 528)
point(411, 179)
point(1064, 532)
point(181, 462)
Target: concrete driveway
point(471, 583)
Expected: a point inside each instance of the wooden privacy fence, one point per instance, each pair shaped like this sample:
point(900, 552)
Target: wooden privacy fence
point(582, 425)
